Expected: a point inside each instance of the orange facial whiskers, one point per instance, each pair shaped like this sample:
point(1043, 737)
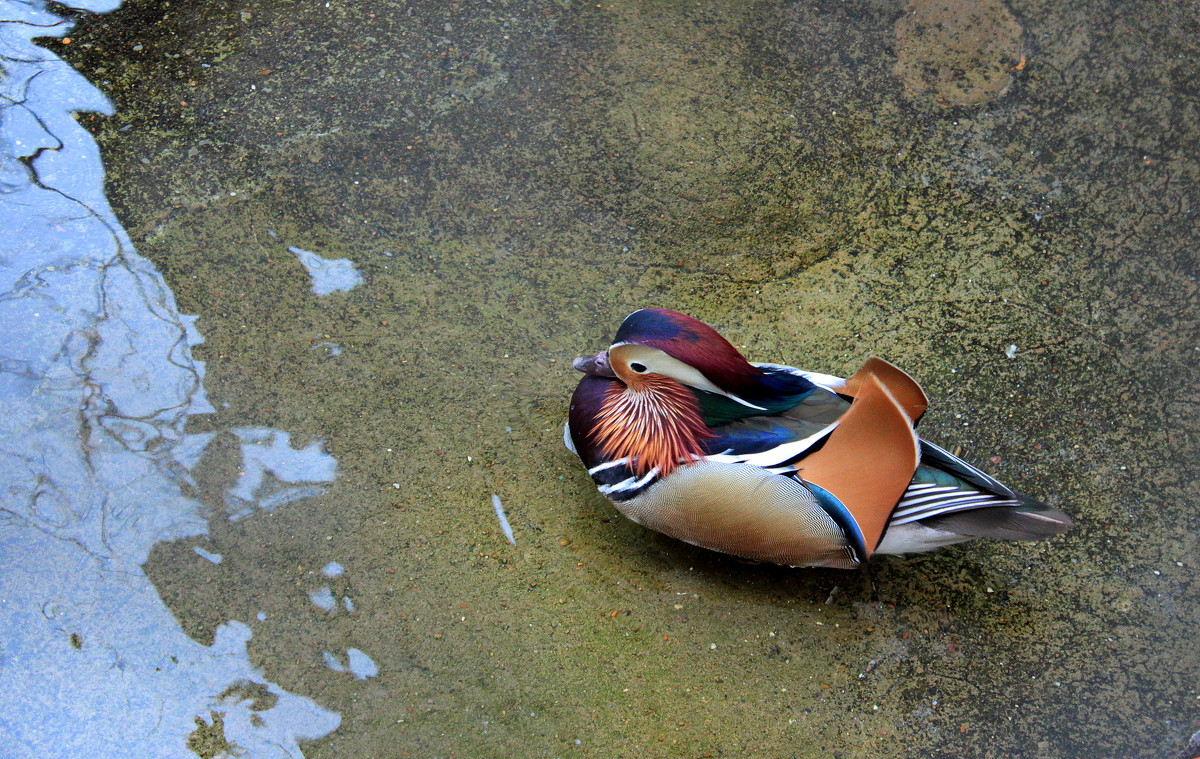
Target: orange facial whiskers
point(656, 425)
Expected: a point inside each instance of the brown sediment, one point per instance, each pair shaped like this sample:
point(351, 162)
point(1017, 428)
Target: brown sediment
point(958, 53)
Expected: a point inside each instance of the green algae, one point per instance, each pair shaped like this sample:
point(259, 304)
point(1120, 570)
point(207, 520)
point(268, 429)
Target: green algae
point(511, 180)
point(208, 740)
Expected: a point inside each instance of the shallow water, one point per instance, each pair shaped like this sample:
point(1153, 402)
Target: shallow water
point(395, 225)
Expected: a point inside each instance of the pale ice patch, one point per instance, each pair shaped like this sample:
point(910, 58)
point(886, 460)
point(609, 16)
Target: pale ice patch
point(356, 663)
point(333, 349)
point(329, 275)
point(361, 665)
point(333, 662)
point(97, 381)
point(275, 473)
point(215, 558)
point(322, 597)
point(505, 527)
point(333, 569)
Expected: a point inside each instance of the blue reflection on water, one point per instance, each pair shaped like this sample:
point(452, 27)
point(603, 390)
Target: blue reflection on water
point(97, 380)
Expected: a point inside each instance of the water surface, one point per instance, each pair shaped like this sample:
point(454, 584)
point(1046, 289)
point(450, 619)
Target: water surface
point(823, 183)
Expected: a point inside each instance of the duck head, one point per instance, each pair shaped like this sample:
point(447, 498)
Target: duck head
point(655, 344)
point(652, 396)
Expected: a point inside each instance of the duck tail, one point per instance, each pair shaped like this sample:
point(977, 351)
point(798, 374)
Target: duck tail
point(1030, 519)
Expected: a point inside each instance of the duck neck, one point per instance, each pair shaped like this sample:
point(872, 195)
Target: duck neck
point(657, 426)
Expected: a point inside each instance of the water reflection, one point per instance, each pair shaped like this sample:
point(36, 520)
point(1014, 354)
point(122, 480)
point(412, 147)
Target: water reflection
point(97, 380)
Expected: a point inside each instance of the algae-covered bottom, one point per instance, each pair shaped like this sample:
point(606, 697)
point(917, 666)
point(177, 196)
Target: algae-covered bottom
point(822, 183)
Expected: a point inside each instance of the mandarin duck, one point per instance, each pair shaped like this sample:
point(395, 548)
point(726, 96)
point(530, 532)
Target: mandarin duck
point(772, 463)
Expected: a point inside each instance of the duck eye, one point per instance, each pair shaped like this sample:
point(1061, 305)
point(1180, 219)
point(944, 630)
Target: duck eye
point(637, 367)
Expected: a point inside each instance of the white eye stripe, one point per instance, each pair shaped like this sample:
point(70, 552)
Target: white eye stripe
point(668, 366)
